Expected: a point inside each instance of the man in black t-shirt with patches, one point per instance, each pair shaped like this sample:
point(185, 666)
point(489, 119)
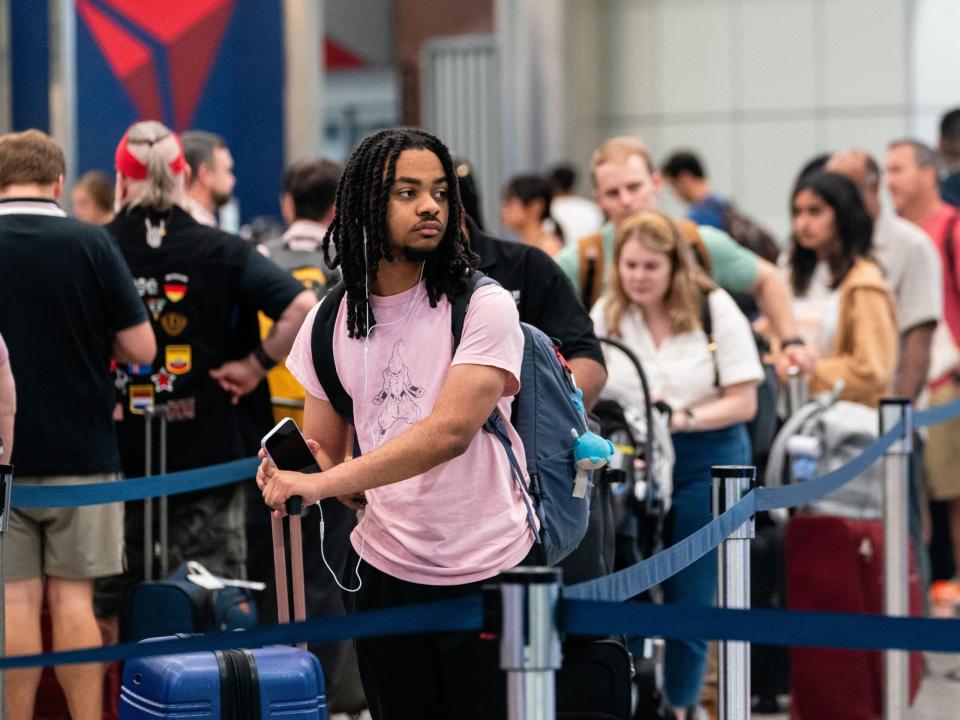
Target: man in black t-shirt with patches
point(67, 307)
point(202, 288)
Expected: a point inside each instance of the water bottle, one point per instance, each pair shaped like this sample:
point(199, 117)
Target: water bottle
point(804, 452)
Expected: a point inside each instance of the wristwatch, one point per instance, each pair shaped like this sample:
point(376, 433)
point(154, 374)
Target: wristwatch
point(266, 362)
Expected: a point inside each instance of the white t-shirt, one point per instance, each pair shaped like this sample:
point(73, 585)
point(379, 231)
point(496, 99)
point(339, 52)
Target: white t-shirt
point(816, 312)
point(577, 217)
point(465, 520)
point(682, 371)
point(912, 269)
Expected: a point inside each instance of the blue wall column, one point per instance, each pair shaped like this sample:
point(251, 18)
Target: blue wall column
point(29, 65)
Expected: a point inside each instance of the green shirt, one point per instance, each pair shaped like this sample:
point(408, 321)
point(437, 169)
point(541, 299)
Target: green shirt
point(569, 258)
point(734, 267)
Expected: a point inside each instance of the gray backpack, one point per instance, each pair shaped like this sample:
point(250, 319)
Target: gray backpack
point(820, 437)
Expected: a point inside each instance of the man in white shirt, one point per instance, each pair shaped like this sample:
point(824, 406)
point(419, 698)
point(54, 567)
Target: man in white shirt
point(308, 207)
point(576, 216)
point(625, 182)
point(211, 175)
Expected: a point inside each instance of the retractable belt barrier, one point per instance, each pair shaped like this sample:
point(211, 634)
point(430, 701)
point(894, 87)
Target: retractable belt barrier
point(591, 608)
point(141, 488)
point(576, 617)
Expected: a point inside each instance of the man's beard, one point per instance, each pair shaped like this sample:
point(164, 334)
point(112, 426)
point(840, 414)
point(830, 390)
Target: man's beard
point(220, 199)
point(419, 255)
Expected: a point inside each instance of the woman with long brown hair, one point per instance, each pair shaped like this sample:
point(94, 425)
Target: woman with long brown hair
point(658, 303)
point(845, 312)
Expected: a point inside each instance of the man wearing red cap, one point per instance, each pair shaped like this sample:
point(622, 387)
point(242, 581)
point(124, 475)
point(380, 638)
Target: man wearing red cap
point(67, 307)
point(202, 289)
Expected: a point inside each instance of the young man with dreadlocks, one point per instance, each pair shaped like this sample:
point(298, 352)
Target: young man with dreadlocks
point(442, 513)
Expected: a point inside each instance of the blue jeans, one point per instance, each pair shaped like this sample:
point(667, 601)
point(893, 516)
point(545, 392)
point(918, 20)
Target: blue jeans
point(697, 584)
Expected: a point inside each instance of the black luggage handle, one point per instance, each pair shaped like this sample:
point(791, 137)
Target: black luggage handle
point(294, 505)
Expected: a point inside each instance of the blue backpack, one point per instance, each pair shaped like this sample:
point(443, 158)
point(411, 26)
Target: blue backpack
point(547, 414)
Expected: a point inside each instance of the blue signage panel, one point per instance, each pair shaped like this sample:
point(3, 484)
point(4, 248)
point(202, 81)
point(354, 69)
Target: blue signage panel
point(212, 65)
point(30, 65)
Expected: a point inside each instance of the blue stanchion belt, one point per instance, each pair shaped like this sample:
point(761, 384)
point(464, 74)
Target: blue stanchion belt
point(53, 496)
point(581, 612)
point(462, 615)
point(638, 578)
point(575, 617)
point(767, 627)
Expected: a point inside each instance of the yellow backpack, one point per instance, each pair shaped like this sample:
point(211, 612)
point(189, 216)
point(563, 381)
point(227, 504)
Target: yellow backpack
point(286, 393)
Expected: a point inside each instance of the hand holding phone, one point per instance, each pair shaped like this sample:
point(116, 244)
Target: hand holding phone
point(287, 450)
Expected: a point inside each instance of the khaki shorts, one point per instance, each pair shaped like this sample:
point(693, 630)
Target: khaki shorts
point(75, 543)
point(941, 456)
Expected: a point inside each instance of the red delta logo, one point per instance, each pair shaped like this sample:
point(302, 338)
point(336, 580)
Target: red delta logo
point(138, 36)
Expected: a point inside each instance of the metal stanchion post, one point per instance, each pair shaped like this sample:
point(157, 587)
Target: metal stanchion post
point(798, 391)
point(529, 641)
point(148, 502)
point(896, 480)
point(6, 487)
point(730, 484)
point(163, 519)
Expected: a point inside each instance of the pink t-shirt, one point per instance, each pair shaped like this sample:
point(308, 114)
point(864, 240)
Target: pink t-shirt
point(462, 521)
point(936, 227)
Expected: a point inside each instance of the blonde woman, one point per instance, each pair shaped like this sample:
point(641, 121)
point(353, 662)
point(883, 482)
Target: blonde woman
point(656, 304)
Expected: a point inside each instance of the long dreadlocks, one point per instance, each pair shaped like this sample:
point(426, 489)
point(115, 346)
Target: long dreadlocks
point(362, 197)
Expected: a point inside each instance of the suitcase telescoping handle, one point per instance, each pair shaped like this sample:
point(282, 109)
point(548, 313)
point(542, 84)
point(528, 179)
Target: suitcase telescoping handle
point(798, 390)
point(294, 507)
point(150, 414)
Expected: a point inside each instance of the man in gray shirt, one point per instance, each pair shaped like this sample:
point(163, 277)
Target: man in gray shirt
point(912, 269)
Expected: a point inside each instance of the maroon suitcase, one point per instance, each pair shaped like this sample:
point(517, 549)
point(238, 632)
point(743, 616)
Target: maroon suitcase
point(836, 564)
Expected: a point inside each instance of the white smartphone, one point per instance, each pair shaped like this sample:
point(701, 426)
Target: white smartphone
point(287, 448)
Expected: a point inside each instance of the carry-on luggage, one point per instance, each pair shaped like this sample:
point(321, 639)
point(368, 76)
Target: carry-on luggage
point(189, 600)
point(595, 681)
point(238, 684)
point(270, 682)
point(836, 564)
point(769, 664)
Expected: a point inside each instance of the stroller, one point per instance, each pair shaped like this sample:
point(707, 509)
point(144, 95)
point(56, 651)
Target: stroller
point(641, 478)
point(641, 472)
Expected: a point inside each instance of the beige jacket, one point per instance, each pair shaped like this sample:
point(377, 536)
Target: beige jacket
point(864, 352)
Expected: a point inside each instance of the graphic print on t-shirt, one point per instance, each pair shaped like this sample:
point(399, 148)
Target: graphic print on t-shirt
point(397, 394)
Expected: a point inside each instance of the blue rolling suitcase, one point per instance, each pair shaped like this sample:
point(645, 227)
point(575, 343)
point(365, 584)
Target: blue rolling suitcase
point(237, 684)
point(270, 682)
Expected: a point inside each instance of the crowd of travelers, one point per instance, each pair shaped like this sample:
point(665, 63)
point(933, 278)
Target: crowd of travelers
point(140, 301)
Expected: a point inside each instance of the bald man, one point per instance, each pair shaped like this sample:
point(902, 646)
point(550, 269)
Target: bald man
point(912, 269)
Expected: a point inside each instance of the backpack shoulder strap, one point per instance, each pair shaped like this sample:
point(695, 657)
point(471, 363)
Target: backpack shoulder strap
point(590, 252)
point(459, 304)
point(706, 321)
point(691, 233)
point(321, 345)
